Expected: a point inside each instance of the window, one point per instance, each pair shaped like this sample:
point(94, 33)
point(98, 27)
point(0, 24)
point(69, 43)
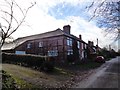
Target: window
point(94, 50)
point(69, 41)
point(78, 44)
point(40, 44)
point(69, 52)
point(82, 45)
point(53, 53)
point(29, 45)
point(20, 52)
point(85, 46)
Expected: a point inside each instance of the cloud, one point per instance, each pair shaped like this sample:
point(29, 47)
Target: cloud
point(42, 18)
point(88, 30)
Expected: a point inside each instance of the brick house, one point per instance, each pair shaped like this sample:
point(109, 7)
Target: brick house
point(60, 44)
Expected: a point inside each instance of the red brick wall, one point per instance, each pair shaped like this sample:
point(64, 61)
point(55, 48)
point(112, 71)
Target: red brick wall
point(48, 44)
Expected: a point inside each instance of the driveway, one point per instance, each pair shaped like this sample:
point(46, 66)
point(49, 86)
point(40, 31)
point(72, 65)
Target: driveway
point(107, 76)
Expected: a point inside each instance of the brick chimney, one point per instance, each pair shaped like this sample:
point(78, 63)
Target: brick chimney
point(66, 29)
point(90, 43)
point(80, 37)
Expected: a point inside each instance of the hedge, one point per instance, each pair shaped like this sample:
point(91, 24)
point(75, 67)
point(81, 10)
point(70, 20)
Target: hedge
point(28, 60)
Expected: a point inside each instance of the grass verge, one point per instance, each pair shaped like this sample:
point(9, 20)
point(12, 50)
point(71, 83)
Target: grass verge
point(9, 81)
point(21, 83)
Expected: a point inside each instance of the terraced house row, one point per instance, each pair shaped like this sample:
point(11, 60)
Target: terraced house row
point(59, 44)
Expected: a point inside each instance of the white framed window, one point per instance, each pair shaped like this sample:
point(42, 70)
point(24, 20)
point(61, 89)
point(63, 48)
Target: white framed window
point(29, 45)
point(69, 41)
point(78, 44)
point(94, 49)
point(69, 52)
point(85, 46)
point(53, 53)
point(40, 44)
point(20, 52)
point(82, 45)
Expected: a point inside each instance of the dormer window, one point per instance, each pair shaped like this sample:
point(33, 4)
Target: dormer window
point(40, 44)
point(29, 45)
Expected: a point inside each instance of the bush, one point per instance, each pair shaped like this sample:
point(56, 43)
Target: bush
point(28, 60)
point(47, 66)
point(7, 81)
point(70, 58)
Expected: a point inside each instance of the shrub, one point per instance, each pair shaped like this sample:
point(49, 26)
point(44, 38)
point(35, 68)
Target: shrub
point(7, 81)
point(28, 60)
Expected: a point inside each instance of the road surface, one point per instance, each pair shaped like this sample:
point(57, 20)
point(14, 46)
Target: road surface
point(107, 76)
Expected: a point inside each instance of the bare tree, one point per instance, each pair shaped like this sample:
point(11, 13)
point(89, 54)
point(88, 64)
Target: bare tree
point(107, 14)
point(10, 21)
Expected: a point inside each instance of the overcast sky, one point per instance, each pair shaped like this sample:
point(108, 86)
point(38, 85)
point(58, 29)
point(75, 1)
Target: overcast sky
point(48, 15)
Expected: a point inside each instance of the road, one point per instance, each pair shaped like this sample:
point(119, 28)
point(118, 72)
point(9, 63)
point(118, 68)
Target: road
point(107, 76)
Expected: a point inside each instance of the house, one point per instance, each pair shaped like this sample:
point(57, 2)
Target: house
point(60, 44)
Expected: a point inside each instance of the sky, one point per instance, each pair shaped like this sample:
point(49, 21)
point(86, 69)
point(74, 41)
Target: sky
point(48, 15)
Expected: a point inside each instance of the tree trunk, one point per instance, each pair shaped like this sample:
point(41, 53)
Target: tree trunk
point(0, 69)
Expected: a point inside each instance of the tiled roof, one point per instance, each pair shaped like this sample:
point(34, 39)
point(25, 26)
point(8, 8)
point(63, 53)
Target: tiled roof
point(19, 41)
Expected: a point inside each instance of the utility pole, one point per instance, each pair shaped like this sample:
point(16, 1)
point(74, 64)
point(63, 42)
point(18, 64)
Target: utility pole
point(109, 47)
point(97, 47)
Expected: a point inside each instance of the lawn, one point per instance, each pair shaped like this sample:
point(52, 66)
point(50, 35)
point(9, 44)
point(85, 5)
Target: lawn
point(21, 75)
point(61, 77)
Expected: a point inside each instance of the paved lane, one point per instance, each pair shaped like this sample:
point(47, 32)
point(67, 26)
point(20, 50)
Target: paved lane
point(107, 76)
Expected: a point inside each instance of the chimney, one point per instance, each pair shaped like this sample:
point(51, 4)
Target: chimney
point(66, 29)
point(89, 43)
point(92, 43)
point(80, 37)
point(97, 41)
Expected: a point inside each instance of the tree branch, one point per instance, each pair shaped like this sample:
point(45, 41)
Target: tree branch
point(6, 33)
point(25, 14)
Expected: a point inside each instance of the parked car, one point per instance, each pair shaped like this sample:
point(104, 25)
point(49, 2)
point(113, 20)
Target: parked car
point(100, 59)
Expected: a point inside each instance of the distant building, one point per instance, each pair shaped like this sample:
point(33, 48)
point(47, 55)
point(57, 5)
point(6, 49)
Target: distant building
point(60, 44)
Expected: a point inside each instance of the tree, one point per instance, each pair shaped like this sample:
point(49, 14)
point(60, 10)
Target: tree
point(10, 21)
point(118, 53)
point(107, 14)
point(104, 52)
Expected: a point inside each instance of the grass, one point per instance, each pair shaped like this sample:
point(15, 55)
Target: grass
point(20, 83)
point(7, 80)
point(11, 81)
point(59, 70)
point(81, 67)
point(89, 65)
point(26, 77)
